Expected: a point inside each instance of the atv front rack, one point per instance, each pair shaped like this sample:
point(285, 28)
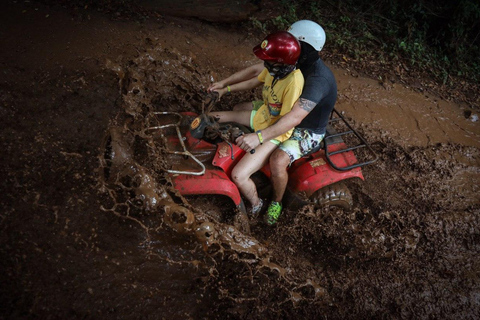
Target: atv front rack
point(185, 152)
point(333, 137)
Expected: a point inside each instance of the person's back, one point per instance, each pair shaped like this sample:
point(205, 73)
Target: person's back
point(320, 85)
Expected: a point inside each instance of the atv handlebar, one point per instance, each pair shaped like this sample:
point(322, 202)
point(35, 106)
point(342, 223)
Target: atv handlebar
point(212, 98)
point(241, 133)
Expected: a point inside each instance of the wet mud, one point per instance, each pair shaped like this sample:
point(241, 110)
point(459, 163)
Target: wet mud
point(91, 226)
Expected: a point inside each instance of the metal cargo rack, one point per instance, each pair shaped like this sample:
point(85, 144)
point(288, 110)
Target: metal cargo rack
point(184, 151)
point(333, 137)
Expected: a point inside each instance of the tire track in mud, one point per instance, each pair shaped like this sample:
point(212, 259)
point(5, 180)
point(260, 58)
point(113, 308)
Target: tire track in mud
point(407, 249)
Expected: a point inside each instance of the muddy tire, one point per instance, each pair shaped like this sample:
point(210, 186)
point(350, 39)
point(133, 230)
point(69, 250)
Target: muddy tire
point(336, 195)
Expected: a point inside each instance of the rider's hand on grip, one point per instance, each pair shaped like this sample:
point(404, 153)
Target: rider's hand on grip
point(241, 133)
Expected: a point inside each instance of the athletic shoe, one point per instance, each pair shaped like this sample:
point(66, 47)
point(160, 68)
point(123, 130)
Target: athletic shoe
point(255, 211)
point(273, 212)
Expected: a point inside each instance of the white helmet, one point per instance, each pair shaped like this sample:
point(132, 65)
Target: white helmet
point(309, 32)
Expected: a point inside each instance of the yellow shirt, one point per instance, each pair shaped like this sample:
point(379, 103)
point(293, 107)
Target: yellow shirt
point(277, 101)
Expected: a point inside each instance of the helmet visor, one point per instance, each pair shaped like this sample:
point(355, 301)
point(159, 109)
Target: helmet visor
point(262, 54)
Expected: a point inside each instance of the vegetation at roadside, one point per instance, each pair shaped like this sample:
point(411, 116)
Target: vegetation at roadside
point(439, 39)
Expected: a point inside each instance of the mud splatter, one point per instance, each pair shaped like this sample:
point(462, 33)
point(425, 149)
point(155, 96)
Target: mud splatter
point(408, 249)
point(406, 252)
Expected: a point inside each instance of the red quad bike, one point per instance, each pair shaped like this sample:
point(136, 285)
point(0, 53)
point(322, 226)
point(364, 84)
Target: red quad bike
point(209, 156)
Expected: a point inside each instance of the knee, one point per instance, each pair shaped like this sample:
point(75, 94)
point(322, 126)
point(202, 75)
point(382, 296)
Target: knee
point(243, 106)
point(237, 177)
point(279, 161)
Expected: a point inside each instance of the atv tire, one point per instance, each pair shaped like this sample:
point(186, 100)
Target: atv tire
point(336, 195)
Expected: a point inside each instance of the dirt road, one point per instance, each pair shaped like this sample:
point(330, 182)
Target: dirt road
point(409, 249)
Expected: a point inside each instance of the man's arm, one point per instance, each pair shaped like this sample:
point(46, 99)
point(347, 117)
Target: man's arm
point(241, 86)
point(242, 75)
point(300, 110)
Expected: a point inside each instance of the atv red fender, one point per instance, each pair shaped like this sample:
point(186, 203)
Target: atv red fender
point(227, 157)
point(313, 173)
point(214, 181)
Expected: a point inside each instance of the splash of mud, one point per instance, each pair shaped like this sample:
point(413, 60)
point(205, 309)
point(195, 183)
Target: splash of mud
point(133, 167)
point(406, 252)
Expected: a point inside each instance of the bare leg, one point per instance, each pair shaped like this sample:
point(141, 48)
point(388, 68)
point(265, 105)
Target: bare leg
point(279, 162)
point(243, 106)
point(248, 165)
point(242, 117)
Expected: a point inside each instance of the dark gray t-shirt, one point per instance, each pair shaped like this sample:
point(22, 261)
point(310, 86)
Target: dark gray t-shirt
point(321, 88)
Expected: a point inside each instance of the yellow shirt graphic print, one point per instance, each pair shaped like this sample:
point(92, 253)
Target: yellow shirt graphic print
point(277, 101)
point(274, 108)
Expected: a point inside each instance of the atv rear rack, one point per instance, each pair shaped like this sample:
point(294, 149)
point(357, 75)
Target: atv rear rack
point(333, 137)
point(185, 152)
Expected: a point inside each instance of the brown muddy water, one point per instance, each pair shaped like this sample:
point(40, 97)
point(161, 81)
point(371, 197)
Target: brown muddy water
point(78, 244)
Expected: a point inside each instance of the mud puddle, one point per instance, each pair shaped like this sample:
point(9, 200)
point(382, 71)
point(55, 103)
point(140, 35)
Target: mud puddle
point(407, 252)
point(74, 247)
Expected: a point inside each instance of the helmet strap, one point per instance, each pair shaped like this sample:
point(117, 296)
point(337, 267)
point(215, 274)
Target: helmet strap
point(282, 73)
point(278, 72)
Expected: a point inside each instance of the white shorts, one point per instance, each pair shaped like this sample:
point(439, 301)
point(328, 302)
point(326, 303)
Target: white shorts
point(301, 143)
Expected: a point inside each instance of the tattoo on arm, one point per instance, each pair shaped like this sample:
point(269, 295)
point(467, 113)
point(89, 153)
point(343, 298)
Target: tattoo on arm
point(307, 105)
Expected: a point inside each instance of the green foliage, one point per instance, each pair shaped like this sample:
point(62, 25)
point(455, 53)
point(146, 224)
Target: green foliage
point(258, 24)
point(281, 22)
point(440, 36)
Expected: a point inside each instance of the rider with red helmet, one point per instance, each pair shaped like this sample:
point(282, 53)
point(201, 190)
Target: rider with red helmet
point(282, 86)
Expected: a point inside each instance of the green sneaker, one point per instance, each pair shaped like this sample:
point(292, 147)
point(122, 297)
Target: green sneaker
point(273, 212)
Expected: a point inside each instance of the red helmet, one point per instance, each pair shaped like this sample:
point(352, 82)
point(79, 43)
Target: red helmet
point(280, 46)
